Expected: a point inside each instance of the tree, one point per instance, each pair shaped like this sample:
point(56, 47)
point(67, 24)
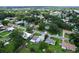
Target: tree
point(41, 26)
point(29, 29)
point(74, 39)
point(16, 33)
point(46, 36)
point(5, 22)
point(53, 28)
point(43, 45)
point(16, 37)
point(1, 46)
point(33, 47)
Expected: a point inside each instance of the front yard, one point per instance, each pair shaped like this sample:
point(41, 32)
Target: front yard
point(4, 35)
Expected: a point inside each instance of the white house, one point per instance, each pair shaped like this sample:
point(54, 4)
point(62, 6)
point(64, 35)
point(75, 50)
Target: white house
point(10, 28)
point(6, 43)
point(19, 22)
point(1, 25)
point(76, 11)
point(26, 35)
point(10, 18)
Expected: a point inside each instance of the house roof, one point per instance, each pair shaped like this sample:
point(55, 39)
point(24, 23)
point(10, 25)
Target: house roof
point(77, 11)
point(49, 41)
point(26, 35)
point(19, 22)
point(66, 45)
point(1, 25)
point(35, 39)
point(6, 43)
point(10, 28)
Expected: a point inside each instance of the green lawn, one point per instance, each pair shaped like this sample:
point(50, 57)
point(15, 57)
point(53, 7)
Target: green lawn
point(4, 33)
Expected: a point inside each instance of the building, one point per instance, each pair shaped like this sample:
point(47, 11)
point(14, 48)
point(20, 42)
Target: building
point(19, 22)
point(10, 29)
point(35, 39)
point(1, 25)
point(26, 35)
point(76, 11)
point(6, 43)
point(50, 41)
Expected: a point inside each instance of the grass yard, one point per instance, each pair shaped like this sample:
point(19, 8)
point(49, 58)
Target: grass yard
point(4, 33)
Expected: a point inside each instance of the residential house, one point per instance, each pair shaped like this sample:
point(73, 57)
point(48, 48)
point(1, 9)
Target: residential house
point(26, 35)
point(50, 41)
point(35, 39)
point(9, 28)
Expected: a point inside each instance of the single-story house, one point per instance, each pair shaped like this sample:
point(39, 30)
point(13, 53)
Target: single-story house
point(50, 41)
point(10, 18)
point(10, 28)
point(6, 43)
point(76, 11)
point(19, 22)
point(26, 35)
point(35, 39)
point(1, 25)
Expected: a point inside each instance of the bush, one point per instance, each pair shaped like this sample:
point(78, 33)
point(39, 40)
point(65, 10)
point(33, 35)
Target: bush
point(5, 22)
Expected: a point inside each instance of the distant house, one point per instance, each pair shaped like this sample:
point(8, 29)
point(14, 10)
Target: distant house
point(10, 29)
point(35, 39)
point(19, 22)
point(26, 35)
point(76, 11)
point(49, 41)
point(41, 16)
point(1, 25)
point(6, 43)
point(10, 18)
point(57, 13)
